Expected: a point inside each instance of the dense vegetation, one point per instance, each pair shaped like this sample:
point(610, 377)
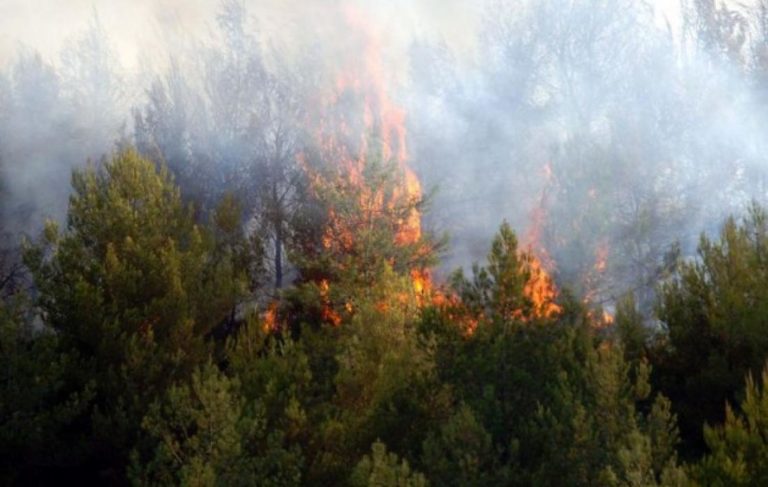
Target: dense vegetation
point(143, 355)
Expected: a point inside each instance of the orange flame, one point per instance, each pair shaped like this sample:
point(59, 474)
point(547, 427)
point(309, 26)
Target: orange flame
point(269, 321)
point(607, 318)
point(344, 136)
point(601, 258)
point(384, 121)
point(329, 314)
point(596, 273)
point(533, 237)
point(592, 283)
point(421, 281)
point(541, 291)
point(540, 288)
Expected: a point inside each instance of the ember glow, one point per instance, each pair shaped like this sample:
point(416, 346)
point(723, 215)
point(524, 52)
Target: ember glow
point(270, 322)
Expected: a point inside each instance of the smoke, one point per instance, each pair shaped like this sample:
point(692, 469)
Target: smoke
point(604, 131)
point(604, 136)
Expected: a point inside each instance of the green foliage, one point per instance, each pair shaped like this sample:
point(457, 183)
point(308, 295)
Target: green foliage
point(351, 229)
point(383, 469)
point(245, 254)
point(207, 433)
point(715, 313)
point(496, 291)
point(275, 374)
point(386, 385)
point(132, 289)
point(462, 453)
point(36, 403)
point(631, 330)
point(200, 429)
point(126, 364)
point(661, 426)
point(739, 447)
point(556, 399)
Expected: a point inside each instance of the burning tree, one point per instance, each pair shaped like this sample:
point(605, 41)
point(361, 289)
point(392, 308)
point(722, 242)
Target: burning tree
point(362, 212)
point(513, 287)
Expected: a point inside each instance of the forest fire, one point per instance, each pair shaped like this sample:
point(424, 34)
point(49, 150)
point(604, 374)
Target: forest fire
point(362, 131)
point(596, 274)
point(593, 281)
point(534, 236)
point(541, 290)
point(383, 124)
point(299, 243)
point(328, 313)
point(269, 321)
point(601, 258)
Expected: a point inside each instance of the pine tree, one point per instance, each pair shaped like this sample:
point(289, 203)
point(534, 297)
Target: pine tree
point(714, 313)
point(38, 403)
point(739, 447)
point(133, 287)
point(384, 469)
point(349, 229)
point(384, 386)
point(207, 433)
point(556, 398)
point(462, 453)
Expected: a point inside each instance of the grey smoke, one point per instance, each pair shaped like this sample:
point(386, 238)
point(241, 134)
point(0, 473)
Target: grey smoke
point(653, 131)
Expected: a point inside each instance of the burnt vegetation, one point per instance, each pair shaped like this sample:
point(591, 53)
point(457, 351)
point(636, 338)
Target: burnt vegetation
point(261, 268)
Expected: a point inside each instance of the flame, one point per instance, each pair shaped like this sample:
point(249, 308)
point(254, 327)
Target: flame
point(593, 279)
point(421, 281)
point(601, 258)
point(540, 288)
point(344, 136)
point(600, 318)
point(383, 121)
point(453, 307)
point(541, 291)
point(533, 238)
point(269, 321)
point(607, 318)
point(329, 314)
point(409, 230)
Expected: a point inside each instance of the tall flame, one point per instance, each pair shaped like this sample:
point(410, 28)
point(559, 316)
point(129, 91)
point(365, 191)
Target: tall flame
point(356, 114)
point(540, 288)
point(592, 283)
point(348, 142)
point(383, 120)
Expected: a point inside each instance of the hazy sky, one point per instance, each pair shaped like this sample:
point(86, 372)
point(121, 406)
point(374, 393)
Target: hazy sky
point(138, 27)
point(143, 31)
